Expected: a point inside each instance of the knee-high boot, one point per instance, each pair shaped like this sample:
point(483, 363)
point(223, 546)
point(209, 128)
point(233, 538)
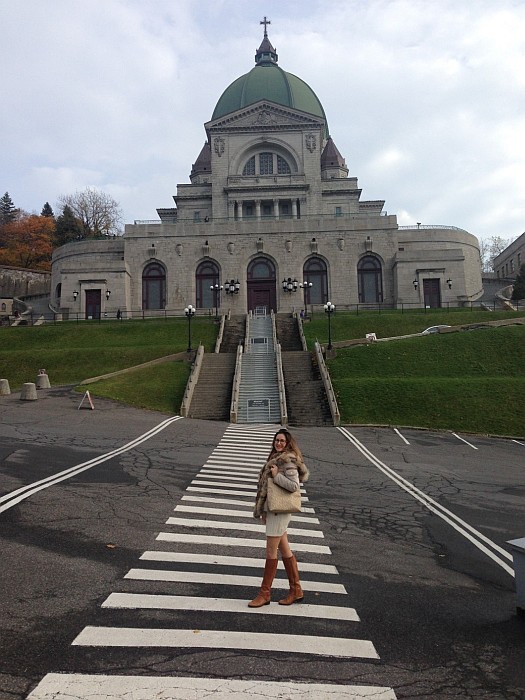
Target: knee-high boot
point(295, 595)
point(264, 595)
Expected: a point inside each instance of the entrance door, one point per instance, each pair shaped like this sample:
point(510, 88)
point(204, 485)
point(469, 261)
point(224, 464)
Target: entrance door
point(93, 303)
point(262, 285)
point(432, 294)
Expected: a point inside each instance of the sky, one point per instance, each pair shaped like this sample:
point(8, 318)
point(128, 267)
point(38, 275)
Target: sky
point(425, 99)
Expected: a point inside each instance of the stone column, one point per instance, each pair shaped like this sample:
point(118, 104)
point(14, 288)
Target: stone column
point(294, 209)
point(257, 208)
point(275, 208)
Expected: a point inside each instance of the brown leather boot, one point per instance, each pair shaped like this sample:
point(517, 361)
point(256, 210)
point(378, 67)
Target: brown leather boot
point(264, 596)
point(295, 594)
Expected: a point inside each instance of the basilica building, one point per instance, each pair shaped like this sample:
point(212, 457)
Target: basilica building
point(270, 218)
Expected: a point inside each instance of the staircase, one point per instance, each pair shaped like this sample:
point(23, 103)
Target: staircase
point(259, 391)
point(305, 394)
point(212, 396)
point(234, 331)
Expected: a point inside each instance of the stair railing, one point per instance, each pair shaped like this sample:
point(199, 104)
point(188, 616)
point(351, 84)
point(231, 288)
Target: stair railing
point(327, 382)
point(280, 382)
point(234, 406)
point(247, 333)
point(219, 336)
point(301, 332)
point(192, 382)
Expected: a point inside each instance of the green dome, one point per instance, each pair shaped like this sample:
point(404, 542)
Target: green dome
point(266, 81)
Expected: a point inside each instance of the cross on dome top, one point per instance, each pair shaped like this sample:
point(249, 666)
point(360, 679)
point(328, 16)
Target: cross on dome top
point(265, 53)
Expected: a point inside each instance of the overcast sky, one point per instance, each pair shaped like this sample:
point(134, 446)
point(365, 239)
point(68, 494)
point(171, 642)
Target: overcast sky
point(425, 99)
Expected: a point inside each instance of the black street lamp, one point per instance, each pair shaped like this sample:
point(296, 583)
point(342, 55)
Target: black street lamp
point(108, 294)
point(305, 286)
point(449, 282)
point(75, 295)
point(416, 284)
point(233, 286)
point(190, 313)
point(289, 285)
point(217, 288)
point(329, 310)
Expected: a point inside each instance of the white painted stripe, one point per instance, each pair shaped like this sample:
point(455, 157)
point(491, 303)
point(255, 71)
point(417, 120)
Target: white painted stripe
point(477, 538)
point(230, 501)
point(238, 513)
point(519, 443)
point(245, 527)
point(153, 555)
point(225, 580)
point(228, 492)
point(465, 441)
point(201, 540)
point(253, 464)
point(224, 639)
point(229, 469)
point(14, 497)
point(65, 686)
point(230, 605)
point(234, 479)
point(401, 436)
point(204, 482)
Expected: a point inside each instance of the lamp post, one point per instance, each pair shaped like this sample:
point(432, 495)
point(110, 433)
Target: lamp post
point(416, 284)
point(190, 313)
point(217, 288)
point(305, 286)
point(329, 310)
point(75, 295)
point(108, 294)
point(232, 287)
point(449, 282)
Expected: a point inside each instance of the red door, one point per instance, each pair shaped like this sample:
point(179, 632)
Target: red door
point(93, 297)
point(432, 294)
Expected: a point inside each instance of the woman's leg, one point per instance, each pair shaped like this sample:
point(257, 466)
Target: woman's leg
point(284, 547)
point(270, 567)
point(272, 545)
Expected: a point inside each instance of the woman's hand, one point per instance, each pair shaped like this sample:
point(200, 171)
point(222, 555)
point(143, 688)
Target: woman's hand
point(263, 518)
point(274, 471)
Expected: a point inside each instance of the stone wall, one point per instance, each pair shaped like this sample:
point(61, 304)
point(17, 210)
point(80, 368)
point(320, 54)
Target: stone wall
point(20, 282)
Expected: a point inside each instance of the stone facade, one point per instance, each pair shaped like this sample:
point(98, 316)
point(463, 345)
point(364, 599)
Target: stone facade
point(507, 264)
point(269, 199)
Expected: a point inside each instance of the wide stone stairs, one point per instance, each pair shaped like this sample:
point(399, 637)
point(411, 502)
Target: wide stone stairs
point(213, 392)
point(305, 394)
point(234, 331)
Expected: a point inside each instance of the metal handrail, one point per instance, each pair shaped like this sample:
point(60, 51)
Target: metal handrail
point(236, 385)
point(328, 387)
point(192, 382)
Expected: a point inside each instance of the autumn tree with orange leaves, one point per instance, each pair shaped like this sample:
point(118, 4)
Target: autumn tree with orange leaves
point(28, 242)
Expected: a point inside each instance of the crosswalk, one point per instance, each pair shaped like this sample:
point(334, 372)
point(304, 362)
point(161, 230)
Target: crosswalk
point(190, 593)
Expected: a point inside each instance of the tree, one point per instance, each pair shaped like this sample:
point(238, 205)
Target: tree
point(489, 248)
point(518, 291)
point(28, 242)
point(68, 227)
point(47, 211)
point(98, 213)
point(8, 211)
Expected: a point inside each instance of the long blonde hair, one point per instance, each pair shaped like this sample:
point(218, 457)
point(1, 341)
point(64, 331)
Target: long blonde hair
point(291, 444)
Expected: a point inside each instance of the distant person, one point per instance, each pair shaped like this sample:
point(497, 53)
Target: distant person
point(285, 465)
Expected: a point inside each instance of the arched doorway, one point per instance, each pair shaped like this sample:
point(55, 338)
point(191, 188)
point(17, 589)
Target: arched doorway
point(207, 274)
point(261, 285)
point(369, 280)
point(154, 287)
point(315, 271)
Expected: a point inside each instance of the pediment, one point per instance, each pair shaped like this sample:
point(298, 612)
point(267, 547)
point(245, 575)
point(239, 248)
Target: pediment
point(265, 115)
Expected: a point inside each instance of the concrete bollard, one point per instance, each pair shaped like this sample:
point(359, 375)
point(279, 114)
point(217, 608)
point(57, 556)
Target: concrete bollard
point(28, 392)
point(4, 387)
point(518, 555)
point(42, 381)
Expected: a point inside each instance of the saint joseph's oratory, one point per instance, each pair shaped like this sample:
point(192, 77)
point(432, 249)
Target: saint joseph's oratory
point(269, 207)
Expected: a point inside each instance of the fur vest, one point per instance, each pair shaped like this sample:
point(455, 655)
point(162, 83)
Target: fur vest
point(283, 461)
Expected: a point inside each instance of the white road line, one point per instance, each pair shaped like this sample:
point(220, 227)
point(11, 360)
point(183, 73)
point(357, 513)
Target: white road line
point(235, 479)
point(230, 501)
point(249, 562)
point(58, 686)
point(227, 492)
point(229, 468)
point(14, 497)
point(237, 513)
point(230, 605)
point(457, 523)
point(465, 441)
point(519, 443)
point(224, 639)
point(201, 540)
point(246, 527)
point(401, 436)
point(204, 482)
point(225, 580)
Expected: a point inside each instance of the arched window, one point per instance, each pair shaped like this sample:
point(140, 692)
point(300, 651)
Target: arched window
point(315, 271)
point(369, 280)
point(261, 268)
point(267, 163)
point(207, 274)
point(154, 287)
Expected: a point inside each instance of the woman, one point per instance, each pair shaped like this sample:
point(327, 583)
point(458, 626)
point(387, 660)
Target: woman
point(286, 467)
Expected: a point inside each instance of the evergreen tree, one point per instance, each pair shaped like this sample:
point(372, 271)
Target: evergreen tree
point(518, 291)
point(68, 227)
point(8, 210)
point(47, 211)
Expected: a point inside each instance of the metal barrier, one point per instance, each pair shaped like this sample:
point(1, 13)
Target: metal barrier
point(329, 389)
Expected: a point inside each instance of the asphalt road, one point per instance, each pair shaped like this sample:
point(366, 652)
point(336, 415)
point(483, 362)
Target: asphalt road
point(439, 611)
